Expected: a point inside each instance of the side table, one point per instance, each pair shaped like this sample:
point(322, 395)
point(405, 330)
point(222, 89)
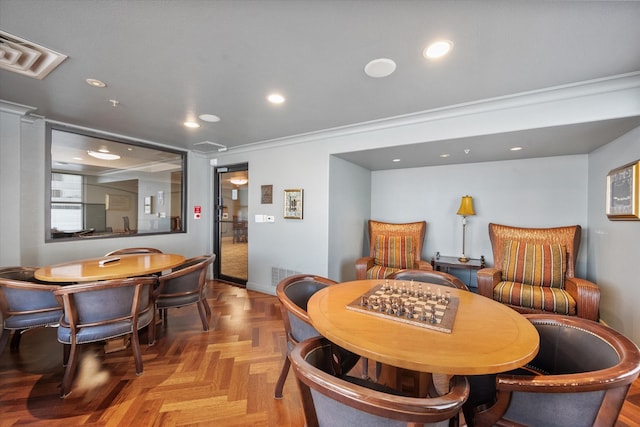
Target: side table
point(445, 263)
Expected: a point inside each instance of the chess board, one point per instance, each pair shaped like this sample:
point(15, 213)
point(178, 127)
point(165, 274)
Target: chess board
point(417, 306)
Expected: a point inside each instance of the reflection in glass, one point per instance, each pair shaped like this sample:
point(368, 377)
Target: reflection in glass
point(105, 186)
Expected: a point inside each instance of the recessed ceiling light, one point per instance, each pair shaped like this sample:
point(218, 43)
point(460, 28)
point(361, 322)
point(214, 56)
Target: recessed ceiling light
point(396, 160)
point(445, 155)
point(515, 148)
point(191, 124)
point(103, 156)
point(77, 158)
point(209, 118)
point(95, 83)
point(275, 98)
point(381, 67)
point(438, 49)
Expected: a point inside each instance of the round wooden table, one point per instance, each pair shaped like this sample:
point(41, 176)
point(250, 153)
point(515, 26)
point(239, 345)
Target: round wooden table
point(487, 337)
point(106, 268)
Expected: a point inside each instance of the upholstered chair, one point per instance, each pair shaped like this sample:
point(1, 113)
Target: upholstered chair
point(98, 311)
point(392, 247)
point(534, 270)
point(426, 276)
point(294, 292)
point(330, 399)
point(186, 285)
point(579, 378)
point(24, 304)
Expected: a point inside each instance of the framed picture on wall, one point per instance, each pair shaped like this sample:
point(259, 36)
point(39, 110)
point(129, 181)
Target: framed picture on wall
point(293, 203)
point(266, 192)
point(622, 192)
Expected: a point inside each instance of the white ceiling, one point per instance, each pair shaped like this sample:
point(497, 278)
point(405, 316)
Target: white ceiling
point(168, 61)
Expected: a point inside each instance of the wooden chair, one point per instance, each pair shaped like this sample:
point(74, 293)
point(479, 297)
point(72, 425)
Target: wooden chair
point(580, 377)
point(25, 304)
point(329, 400)
point(518, 280)
point(392, 247)
point(294, 292)
point(98, 311)
point(426, 276)
point(128, 251)
point(186, 285)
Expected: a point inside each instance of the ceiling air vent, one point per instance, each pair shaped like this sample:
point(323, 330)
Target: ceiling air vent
point(26, 58)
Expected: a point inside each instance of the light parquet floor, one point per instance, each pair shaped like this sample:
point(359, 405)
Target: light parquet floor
point(224, 377)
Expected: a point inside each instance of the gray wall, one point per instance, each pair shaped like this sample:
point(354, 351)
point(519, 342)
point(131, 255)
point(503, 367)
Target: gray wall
point(614, 246)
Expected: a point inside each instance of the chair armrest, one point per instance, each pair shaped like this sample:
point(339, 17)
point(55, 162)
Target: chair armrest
point(362, 265)
point(422, 265)
point(587, 296)
point(488, 278)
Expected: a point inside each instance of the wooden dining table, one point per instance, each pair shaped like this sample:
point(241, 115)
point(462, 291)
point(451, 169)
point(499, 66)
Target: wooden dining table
point(486, 337)
point(110, 267)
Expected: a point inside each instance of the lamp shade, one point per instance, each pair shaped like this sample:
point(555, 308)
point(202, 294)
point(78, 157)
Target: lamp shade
point(466, 206)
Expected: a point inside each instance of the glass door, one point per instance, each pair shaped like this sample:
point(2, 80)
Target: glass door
point(231, 223)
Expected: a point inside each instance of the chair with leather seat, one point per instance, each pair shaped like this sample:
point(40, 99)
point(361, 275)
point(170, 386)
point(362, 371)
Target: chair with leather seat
point(129, 251)
point(534, 271)
point(392, 247)
point(426, 276)
point(25, 303)
point(186, 285)
point(580, 377)
point(329, 399)
point(294, 292)
point(99, 311)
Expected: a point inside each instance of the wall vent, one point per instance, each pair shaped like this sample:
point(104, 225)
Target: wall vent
point(26, 58)
point(277, 274)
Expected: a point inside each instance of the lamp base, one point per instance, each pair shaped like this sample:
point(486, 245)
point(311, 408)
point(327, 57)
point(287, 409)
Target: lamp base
point(463, 259)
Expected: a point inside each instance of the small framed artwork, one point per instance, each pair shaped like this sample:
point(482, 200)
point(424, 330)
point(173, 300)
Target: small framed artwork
point(622, 192)
point(267, 194)
point(293, 203)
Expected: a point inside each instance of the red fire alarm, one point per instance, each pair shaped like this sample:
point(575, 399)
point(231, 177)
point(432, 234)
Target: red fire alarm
point(197, 210)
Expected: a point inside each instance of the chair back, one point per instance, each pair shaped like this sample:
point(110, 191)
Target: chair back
point(185, 284)
point(99, 310)
point(426, 276)
point(294, 292)
point(580, 376)
point(568, 236)
point(416, 230)
point(332, 401)
point(127, 251)
point(24, 303)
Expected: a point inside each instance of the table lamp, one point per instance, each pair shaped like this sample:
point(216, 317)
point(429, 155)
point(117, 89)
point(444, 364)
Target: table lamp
point(465, 209)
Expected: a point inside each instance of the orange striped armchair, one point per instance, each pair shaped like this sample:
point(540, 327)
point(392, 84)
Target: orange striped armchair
point(534, 270)
point(392, 247)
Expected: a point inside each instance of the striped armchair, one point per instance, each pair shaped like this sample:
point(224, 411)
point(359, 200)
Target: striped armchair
point(392, 247)
point(534, 269)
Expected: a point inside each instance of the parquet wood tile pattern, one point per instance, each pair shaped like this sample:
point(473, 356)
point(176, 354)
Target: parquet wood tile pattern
point(225, 377)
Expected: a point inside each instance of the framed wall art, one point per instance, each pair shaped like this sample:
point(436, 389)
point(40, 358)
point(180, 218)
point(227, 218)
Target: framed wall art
point(622, 192)
point(266, 192)
point(293, 203)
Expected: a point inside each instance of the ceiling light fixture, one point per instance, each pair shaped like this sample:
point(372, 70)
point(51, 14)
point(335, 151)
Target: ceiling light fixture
point(209, 118)
point(438, 49)
point(275, 98)
point(95, 83)
point(192, 125)
point(238, 181)
point(396, 160)
point(515, 148)
point(381, 67)
point(103, 155)
point(445, 155)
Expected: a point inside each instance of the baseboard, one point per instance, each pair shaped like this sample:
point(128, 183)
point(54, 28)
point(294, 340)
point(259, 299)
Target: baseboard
point(257, 287)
